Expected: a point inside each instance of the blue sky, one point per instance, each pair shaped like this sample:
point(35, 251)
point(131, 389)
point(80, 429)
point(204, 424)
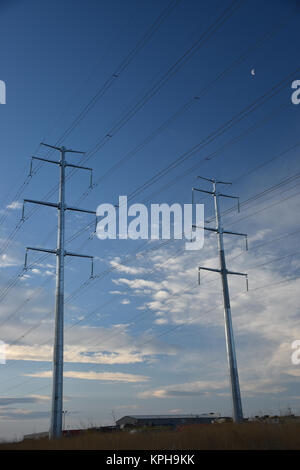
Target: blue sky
point(144, 338)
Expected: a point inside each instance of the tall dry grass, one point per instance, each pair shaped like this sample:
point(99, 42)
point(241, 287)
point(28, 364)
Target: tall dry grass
point(247, 436)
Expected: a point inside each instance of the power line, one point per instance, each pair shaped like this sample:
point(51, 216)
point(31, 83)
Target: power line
point(121, 68)
point(267, 207)
point(217, 152)
point(286, 235)
point(263, 193)
point(182, 109)
point(218, 132)
point(188, 54)
point(51, 192)
point(100, 93)
point(271, 115)
point(226, 14)
point(18, 226)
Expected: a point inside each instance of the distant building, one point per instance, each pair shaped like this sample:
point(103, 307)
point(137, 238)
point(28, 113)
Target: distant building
point(166, 420)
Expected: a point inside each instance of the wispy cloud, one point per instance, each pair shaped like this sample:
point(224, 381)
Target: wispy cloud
point(4, 401)
point(99, 376)
point(199, 387)
point(9, 259)
point(14, 205)
point(115, 263)
point(17, 414)
point(74, 354)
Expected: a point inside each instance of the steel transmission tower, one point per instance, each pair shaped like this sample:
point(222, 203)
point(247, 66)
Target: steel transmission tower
point(230, 346)
point(60, 252)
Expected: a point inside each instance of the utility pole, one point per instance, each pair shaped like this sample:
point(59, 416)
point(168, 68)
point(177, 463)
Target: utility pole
point(60, 252)
point(230, 346)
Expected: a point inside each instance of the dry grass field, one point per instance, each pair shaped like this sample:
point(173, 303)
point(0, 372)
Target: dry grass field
point(247, 436)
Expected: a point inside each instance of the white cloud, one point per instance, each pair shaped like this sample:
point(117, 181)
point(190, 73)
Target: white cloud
point(265, 320)
point(7, 260)
point(138, 283)
point(161, 295)
point(30, 399)
point(115, 263)
point(49, 273)
point(161, 321)
point(187, 389)
point(83, 344)
point(99, 376)
point(14, 205)
point(208, 387)
point(73, 354)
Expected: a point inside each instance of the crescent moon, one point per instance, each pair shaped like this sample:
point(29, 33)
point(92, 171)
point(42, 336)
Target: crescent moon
point(253, 72)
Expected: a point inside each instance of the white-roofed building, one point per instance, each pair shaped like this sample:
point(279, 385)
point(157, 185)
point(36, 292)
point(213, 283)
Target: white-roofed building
point(166, 420)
